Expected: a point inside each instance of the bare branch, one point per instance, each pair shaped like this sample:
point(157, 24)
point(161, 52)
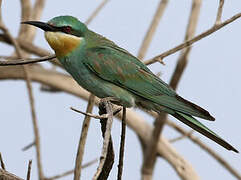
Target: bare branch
point(96, 11)
point(193, 40)
point(4, 175)
point(154, 24)
point(105, 165)
point(181, 137)
point(219, 13)
point(71, 171)
point(122, 144)
point(26, 61)
point(1, 161)
point(89, 114)
point(26, 10)
point(37, 11)
point(28, 146)
point(30, 94)
point(183, 59)
point(82, 141)
point(150, 154)
point(29, 169)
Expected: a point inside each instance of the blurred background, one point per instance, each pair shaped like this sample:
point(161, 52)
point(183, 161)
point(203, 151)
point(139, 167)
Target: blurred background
point(211, 80)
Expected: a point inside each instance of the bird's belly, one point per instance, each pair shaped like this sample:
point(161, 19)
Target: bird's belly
point(97, 86)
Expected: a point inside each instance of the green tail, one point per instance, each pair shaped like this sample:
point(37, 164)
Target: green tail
point(196, 125)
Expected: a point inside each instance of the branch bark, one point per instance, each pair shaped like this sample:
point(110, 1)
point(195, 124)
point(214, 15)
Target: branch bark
point(82, 141)
point(193, 40)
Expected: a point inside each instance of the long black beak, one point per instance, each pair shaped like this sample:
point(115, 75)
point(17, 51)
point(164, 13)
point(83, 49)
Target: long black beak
point(41, 25)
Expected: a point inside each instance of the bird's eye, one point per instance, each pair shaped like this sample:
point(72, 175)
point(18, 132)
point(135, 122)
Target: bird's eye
point(67, 29)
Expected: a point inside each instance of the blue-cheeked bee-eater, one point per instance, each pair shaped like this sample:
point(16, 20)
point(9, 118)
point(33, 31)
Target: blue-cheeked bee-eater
point(107, 70)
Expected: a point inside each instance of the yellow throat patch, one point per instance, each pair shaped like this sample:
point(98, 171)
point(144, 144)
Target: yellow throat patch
point(62, 43)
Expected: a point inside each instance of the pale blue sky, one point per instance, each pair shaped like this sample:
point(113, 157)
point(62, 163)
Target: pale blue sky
point(212, 80)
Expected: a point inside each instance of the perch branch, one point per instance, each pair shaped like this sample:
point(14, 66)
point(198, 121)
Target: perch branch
point(107, 154)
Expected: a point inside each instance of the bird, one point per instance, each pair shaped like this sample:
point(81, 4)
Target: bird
point(106, 70)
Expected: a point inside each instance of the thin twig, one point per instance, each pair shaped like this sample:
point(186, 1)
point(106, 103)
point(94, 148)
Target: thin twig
point(181, 137)
point(103, 116)
point(26, 61)
point(71, 171)
point(193, 40)
point(96, 11)
point(29, 169)
point(153, 26)
point(105, 107)
point(28, 146)
point(83, 136)
point(122, 144)
point(219, 13)
point(206, 148)
point(89, 114)
point(1, 161)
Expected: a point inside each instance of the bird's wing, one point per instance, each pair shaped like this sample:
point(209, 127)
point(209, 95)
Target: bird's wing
point(121, 68)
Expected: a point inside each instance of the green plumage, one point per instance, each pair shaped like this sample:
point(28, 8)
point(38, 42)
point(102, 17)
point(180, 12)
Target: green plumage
point(106, 70)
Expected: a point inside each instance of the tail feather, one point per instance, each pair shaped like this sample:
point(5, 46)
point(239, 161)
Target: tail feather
point(196, 125)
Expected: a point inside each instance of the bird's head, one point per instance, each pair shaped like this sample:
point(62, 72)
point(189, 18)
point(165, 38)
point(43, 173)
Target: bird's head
point(63, 33)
